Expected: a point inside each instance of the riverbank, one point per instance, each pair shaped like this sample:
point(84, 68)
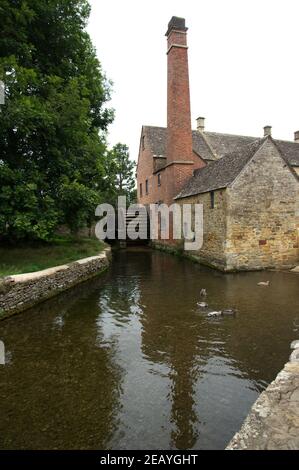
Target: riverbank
point(192, 256)
point(273, 422)
point(22, 291)
point(27, 258)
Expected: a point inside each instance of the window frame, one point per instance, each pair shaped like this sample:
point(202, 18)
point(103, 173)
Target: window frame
point(212, 199)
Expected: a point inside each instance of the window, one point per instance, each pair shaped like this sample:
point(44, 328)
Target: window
point(159, 179)
point(212, 196)
point(146, 186)
point(143, 142)
point(140, 189)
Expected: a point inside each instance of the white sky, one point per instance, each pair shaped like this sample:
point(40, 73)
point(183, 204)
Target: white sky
point(243, 63)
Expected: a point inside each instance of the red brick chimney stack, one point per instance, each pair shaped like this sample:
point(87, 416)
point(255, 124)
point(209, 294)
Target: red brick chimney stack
point(179, 134)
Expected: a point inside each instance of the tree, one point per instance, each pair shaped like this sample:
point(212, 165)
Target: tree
point(54, 120)
point(120, 171)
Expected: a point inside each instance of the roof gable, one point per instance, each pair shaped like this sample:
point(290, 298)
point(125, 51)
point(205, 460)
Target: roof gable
point(220, 173)
point(225, 171)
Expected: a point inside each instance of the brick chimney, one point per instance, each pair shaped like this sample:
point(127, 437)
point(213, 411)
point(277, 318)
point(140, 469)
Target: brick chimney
point(179, 134)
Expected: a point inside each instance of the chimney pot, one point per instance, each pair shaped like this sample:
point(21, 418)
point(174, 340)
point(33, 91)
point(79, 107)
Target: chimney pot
point(267, 130)
point(296, 136)
point(200, 124)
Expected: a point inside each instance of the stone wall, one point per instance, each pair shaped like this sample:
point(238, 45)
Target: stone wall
point(254, 223)
point(214, 228)
point(263, 205)
point(273, 422)
point(22, 291)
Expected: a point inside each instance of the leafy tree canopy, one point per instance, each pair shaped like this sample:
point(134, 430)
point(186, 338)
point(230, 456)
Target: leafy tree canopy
point(120, 175)
point(54, 120)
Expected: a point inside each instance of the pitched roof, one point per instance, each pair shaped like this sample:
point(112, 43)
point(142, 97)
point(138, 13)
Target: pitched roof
point(213, 145)
point(220, 173)
point(202, 146)
point(157, 140)
point(289, 150)
point(227, 143)
point(156, 137)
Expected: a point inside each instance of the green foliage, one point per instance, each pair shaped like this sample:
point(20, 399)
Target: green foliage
point(54, 121)
point(120, 174)
point(25, 258)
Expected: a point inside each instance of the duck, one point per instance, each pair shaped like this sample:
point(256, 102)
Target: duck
point(229, 311)
point(203, 292)
point(215, 314)
point(202, 304)
point(263, 283)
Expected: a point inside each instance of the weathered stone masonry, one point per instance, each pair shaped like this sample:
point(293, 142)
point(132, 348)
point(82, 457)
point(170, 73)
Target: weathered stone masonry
point(273, 421)
point(261, 220)
point(22, 291)
point(214, 228)
point(253, 223)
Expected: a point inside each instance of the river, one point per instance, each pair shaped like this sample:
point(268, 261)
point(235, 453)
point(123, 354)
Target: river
point(129, 361)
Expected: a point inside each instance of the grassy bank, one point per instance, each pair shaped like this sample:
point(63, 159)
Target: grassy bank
point(28, 258)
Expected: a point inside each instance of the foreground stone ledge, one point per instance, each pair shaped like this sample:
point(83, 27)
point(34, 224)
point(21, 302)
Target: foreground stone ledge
point(22, 291)
point(273, 422)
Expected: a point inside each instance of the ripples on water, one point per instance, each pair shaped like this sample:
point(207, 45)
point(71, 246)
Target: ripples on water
point(129, 361)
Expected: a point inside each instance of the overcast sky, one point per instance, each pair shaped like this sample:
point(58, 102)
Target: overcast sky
point(243, 63)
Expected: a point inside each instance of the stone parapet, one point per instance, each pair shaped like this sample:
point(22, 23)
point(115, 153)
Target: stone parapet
point(273, 422)
point(22, 291)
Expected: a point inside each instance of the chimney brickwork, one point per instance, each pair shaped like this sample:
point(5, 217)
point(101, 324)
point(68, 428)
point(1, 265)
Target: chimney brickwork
point(180, 160)
point(179, 153)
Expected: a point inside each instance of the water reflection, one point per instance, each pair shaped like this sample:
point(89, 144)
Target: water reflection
point(129, 360)
point(59, 391)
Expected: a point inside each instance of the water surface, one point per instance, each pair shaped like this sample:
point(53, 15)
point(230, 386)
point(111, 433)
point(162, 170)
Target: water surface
point(129, 361)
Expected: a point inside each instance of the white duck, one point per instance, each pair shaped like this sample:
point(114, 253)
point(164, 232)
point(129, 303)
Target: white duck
point(263, 283)
point(202, 304)
point(215, 314)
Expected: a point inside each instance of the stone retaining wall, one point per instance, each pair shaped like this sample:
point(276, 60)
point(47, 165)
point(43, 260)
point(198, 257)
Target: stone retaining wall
point(273, 422)
point(22, 291)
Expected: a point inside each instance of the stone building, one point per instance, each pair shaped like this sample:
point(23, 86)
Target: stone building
point(249, 186)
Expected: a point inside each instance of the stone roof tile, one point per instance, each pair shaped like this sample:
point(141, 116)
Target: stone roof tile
point(220, 173)
point(213, 145)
